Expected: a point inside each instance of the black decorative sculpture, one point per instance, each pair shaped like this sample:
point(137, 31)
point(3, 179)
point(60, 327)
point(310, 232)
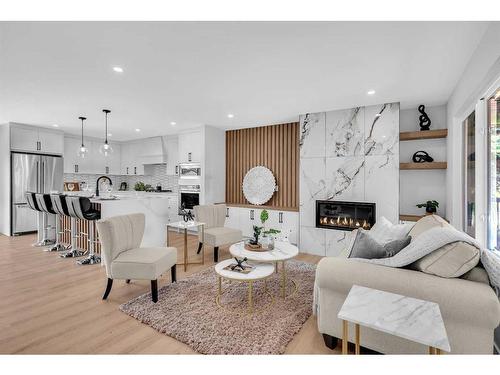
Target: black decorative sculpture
point(425, 121)
point(239, 264)
point(422, 157)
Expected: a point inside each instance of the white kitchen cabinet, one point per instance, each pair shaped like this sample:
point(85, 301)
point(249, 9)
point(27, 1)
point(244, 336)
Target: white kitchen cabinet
point(51, 142)
point(232, 217)
point(71, 146)
point(131, 158)
point(190, 147)
point(244, 218)
point(248, 217)
point(172, 149)
point(34, 139)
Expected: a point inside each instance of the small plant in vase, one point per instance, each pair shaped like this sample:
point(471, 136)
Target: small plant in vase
point(256, 233)
point(430, 206)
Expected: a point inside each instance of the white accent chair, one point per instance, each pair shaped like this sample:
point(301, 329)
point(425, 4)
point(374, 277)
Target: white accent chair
point(121, 237)
point(216, 234)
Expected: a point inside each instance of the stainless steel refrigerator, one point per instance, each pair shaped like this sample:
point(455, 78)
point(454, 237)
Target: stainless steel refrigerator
point(36, 173)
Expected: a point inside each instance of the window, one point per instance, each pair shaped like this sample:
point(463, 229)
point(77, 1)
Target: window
point(469, 126)
point(494, 171)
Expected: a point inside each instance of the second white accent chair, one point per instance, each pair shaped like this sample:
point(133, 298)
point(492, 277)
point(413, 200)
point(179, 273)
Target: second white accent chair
point(216, 234)
point(121, 238)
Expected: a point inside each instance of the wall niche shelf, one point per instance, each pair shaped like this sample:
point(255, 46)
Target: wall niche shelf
point(423, 166)
point(426, 134)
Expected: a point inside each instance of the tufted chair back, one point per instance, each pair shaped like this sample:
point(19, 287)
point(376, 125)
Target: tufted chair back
point(213, 215)
point(118, 234)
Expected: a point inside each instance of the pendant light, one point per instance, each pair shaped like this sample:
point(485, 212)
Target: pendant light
point(106, 148)
point(82, 150)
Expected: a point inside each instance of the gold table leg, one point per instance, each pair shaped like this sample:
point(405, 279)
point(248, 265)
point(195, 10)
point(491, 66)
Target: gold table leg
point(357, 350)
point(345, 335)
point(185, 249)
point(283, 281)
point(250, 296)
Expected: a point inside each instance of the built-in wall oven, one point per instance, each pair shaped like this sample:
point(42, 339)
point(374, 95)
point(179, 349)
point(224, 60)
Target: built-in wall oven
point(189, 196)
point(189, 170)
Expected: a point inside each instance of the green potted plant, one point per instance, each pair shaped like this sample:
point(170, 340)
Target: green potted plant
point(267, 234)
point(430, 206)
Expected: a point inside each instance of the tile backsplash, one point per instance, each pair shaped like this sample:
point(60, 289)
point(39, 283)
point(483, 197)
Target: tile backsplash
point(153, 174)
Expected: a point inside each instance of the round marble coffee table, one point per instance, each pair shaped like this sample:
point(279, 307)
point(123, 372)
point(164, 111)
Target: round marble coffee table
point(261, 272)
point(282, 252)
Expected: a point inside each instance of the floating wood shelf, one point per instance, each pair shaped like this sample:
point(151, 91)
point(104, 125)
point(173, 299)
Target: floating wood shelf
point(425, 134)
point(410, 217)
point(433, 165)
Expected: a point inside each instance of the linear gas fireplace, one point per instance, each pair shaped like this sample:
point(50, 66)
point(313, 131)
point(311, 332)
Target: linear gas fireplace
point(344, 215)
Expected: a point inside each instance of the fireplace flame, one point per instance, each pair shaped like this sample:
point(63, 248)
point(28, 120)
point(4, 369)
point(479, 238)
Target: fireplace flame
point(344, 222)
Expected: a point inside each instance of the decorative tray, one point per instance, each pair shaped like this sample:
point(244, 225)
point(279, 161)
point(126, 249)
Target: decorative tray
point(257, 248)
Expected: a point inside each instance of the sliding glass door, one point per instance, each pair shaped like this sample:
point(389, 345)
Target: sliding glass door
point(494, 171)
point(469, 127)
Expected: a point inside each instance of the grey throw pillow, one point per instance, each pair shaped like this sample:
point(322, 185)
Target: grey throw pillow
point(365, 246)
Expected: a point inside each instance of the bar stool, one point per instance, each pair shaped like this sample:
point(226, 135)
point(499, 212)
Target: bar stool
point(45, 205)
point(31, 200)
point(81, 208)
point(74, 251)
point(61, 209)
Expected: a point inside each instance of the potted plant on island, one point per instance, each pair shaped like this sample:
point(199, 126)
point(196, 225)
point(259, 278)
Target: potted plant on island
point(430, 207)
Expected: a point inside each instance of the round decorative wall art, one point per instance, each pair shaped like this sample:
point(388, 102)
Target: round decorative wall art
point(259, 185)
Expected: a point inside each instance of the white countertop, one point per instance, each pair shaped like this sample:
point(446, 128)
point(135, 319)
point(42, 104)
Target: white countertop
point(123, 195)
point(410, 318)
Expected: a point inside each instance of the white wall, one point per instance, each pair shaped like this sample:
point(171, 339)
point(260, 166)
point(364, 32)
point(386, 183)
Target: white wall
point(482, 70)
point(418, 186)
point(214, 169)
point(5, 179)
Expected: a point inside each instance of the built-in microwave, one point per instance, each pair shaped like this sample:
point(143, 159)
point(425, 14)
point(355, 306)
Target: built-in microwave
point(189, 170)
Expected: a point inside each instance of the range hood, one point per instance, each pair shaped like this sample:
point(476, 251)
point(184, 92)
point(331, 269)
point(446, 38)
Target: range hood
point(155, 151)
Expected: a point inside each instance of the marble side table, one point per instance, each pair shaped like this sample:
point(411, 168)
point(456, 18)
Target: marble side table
point(184, 227)
point(410, 318)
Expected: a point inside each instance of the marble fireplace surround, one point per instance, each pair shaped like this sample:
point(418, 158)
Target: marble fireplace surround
point(347, 155)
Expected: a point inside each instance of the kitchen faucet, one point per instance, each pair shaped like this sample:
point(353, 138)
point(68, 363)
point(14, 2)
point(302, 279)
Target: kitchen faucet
point(97, 184)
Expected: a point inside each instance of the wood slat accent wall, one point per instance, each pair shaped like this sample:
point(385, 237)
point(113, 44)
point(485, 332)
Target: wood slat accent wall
point(275, 147)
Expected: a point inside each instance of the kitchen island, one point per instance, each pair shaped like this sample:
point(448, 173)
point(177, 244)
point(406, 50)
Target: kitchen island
point(159, 209)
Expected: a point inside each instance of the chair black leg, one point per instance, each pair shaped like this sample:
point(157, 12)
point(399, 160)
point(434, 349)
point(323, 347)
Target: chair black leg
point(154, 290)
point(173, 273)
point(216, 254)
point(127, 281)
point(108, 288)
point(200, 245)
point(330, 341)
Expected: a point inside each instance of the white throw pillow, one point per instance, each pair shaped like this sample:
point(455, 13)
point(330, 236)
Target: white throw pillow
point(384, 231)
point(491, 263)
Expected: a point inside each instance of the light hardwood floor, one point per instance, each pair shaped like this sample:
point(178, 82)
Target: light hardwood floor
point(51, 305)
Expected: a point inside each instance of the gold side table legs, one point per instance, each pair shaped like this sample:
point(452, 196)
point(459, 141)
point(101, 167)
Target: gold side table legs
point(433, 350)
point(250, 302)
point(345, 337)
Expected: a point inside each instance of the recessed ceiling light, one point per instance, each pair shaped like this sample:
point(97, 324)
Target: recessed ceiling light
point(118, 69)
point(173, 123)
point(371, 92)
point(137, 130)
point(55, 125)
point(230, 115)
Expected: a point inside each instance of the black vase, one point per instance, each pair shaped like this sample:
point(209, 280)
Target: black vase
point(430, 209)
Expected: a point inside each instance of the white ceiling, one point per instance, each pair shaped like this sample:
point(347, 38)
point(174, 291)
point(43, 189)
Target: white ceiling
point(196, 73)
